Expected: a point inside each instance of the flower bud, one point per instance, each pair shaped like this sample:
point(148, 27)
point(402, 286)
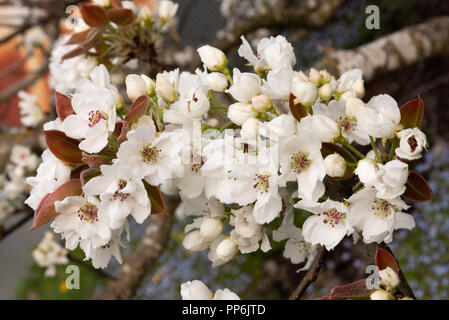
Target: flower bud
point(353, 107)
point(194, 104)
point(145, 13)
point(194, 241)
point(226, 249)
point(359, 88)
point(325, 76)
point(261, 102)
point(166, 90)
point(335, 165)
point(195, 290)
point(315, 76)
point(217, 81)
point(213, 58)
point(211, 228)
point(381, 295)
point(250, 129)
point(367, 172)
point(389, 278)
point(240, 112)
point(151, 85)
point(325, 92)
point(305, 92)
point(246, 86)
point(167, 10)
point(135, 86)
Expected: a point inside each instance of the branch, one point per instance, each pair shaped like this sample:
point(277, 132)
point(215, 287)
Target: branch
point(143, 257)
point(310, 276)
point(404, 286)
point(394, 51)
point(4, 233)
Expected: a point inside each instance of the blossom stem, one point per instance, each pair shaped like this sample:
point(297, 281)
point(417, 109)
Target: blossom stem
point(345, 142)
point(376, 152)
point(227, 73)
point(218, 102)
point(394, 144)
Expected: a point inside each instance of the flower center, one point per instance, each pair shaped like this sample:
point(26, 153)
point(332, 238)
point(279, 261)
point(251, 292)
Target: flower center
point(120, 195)
point(333, 217)
point(262, 183)
point(88, 212)
point(197, 166)
point(300, 162)
point(412, 143)
point(381, 208)
point(150, 154)
point(95, 117)
point(346, 123)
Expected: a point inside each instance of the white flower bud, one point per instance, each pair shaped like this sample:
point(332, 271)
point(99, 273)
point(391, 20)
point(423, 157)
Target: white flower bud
point(225, 294)
point(335, 165)
point(389, 278)
point(261, 102)
point(213, 58)
point(392, 177)
point(359, 88)
point(135, 86)
point(246, 86)
point(217, 81)
point(315, 76)
point(325, 92)
point(305, 92)
point(367, 172)
point(226, 249)
point(240, 112)
point(250, 129)
point(381, 295)
point(150, 83)
point(353, 107)
point(211, 228)
point(194, 241)
point(325, 76)
point(145, 13)
point(166, 90)
point(167, 10)
point(195, 290)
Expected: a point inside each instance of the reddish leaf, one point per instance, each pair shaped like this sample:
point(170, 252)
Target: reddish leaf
point(297, 110)
point(138, 109)
point(328, 148)
point(120, 16)
point(63, 106)
point(93, 161)
point(354, 290)
point(417, 189)
point(412, 113)
point(63, 147)
point(120, 130)
point(78, 37)
point(157, 202)
point(384, 259)
point(88, 174)
point(93, 15)
point(116, 3)
point(75, 52)
point(46, 212)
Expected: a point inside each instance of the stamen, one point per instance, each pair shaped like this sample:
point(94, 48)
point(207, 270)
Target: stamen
point(300, 162)
point(150, 154)
point(333, 217)
point(88, 212)
point(95, 117)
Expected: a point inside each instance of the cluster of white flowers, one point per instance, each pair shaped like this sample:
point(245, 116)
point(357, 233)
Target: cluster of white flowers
point(233, 181)
point(50, 253)
point(197, 290)
point(31, 113)
point(13, 185)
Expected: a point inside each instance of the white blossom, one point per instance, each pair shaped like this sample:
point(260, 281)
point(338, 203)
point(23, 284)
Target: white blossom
point(411, 145)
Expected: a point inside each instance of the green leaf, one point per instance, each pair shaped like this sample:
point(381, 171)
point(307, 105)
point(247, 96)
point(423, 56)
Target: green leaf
point(328, 148)
point(46, 212)
point(298, 110)
point(93, 15)
point(385, 259)
point(412, 113)
point(417, 189)
point(155, 196)
point(63, 147)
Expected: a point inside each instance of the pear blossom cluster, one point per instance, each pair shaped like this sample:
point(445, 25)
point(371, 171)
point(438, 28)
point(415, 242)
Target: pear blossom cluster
point(31, 113)
point(49, 253)
point(244, 149)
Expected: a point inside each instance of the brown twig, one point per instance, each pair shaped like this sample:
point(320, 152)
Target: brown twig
point(4, 233)
point(310, 276)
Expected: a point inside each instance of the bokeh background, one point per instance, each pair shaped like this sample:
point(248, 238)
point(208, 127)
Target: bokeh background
point(423, 253)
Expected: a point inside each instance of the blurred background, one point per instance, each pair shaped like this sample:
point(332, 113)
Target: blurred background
point(406, 56)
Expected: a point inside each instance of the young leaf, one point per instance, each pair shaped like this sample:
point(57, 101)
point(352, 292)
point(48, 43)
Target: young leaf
point(63, 147)
point(384, 259)
point(120, 130)
point(63, 106)
point(120, 16)
point(78, 37)
point(412, 113)
point(328, 148)
point(417, 189)
point(138, 109)
point(354, 290)
point(298, 110)
point(93, 15)
point(157, 202)
point(46, 212)
point(93, 161)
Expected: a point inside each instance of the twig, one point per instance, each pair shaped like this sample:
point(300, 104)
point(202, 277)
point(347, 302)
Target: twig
point(310, 276)
point(15, 226)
